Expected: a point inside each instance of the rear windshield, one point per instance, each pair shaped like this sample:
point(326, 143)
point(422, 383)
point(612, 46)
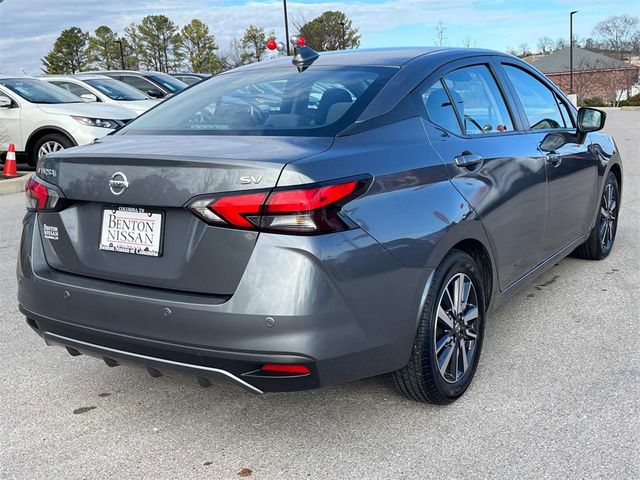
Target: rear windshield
point(280, 101)
point(116, 90)
point(39, 91)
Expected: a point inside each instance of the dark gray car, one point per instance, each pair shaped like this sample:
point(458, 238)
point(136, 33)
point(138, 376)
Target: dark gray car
point(363, 220)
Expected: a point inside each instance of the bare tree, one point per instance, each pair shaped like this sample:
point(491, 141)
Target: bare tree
point(468, 43)
point(523, 49)
point(561, 43)
point(635, 43)
point(616, 33)
point(441, 34)
point(545, 45)
point(233, 56)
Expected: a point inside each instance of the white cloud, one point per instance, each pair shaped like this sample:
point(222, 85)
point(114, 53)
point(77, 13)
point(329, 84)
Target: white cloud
point(28, 28)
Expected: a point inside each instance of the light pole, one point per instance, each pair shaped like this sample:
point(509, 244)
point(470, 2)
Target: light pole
point(571, 50)
point(344, 40)
point(286, 27)
point(119, 42)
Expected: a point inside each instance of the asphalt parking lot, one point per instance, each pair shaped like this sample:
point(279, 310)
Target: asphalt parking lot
point(557, 393)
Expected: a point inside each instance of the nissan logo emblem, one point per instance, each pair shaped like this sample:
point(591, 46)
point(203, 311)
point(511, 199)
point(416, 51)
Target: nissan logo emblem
point(118, 183)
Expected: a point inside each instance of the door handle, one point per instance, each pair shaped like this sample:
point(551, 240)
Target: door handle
point(553, 158)
point(467, 160)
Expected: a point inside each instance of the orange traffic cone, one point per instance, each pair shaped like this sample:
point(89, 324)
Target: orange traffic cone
point(9, 169)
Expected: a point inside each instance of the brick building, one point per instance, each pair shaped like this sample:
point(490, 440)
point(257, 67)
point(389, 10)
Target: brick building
point(594, 75)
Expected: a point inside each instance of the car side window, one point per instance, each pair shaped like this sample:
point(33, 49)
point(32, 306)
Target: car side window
point(439, 108)
point(73, 88)
point(539, 102)
point(139, 83)
point(478, 100)
point(566, 114)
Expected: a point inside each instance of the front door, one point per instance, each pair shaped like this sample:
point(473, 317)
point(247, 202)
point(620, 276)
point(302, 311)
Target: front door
point(491, 165)
point(571, 167)
point(10, 122)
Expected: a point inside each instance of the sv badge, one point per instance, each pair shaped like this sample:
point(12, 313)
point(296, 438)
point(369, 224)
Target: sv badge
point(250, 179)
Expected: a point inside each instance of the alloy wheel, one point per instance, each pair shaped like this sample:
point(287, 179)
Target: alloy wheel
point(49, 147)
point(608, 206)
point(456, 328)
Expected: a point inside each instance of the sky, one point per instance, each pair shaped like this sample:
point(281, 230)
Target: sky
point(28, 28)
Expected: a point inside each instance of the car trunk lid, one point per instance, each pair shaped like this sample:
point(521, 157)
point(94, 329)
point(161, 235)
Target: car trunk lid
point(162, 174)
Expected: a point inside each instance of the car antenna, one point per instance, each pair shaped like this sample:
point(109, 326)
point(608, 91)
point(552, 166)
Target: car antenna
point(304, 55)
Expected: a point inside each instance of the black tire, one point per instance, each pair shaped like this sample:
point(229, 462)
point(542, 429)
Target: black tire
point(421, 379)
point(58, 138)
point(595, 247)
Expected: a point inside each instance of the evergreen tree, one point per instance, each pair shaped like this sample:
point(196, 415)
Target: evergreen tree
point(69, 53)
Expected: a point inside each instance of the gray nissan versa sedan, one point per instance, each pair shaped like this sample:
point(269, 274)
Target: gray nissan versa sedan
point(362, 218)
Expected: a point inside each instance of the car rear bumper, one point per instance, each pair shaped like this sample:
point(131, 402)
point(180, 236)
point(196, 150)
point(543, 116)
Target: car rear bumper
point(159, 358)
point(339, 304)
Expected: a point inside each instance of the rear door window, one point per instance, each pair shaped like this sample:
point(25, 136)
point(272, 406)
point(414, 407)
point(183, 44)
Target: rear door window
point(538, 101)
point(73, 88)
point(439, 108)
point(139, 83)
point(478, 100)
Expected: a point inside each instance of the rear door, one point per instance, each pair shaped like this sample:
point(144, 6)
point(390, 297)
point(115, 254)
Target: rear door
point(571, 167)
point(471, 126)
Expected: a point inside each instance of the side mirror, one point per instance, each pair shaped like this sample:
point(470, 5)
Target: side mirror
point(590, 120)
point(553, 141)
point(88, 97)
point(5, 102)
point(155, 93)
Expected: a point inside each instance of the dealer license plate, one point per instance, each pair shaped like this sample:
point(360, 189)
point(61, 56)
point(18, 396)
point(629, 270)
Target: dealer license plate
point(132, 230)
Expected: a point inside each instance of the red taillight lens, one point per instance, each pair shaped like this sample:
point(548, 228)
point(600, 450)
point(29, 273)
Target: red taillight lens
point(306, 210)
point(236, 209)
point(289, 201)
point(40, 197)
point(284, 368)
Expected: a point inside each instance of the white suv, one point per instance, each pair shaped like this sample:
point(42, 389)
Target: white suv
point(103, 89)
point(40, 118)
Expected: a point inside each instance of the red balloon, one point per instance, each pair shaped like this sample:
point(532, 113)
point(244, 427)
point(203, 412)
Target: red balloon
point(272, 44)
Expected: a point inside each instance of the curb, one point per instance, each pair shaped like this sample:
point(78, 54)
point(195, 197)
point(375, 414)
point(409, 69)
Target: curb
point(632, 109)
point(14, 185)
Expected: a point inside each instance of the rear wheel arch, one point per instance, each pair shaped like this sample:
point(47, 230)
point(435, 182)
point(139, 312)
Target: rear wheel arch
point(480, 254)
point(470, 237)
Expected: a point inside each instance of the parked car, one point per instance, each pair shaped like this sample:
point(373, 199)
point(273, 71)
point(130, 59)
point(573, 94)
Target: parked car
point(153, 84)
point(103, 89)
point(41, 118)
point(370, 231)
point(190, 78)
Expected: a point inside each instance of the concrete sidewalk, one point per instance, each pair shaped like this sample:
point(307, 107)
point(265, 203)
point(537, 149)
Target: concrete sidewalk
point(14, 185)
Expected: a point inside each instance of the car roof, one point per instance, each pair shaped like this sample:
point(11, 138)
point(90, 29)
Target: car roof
point(389, 57)
point(81, 77)
point(17, 77)
point(191, 74)
point(108, 72)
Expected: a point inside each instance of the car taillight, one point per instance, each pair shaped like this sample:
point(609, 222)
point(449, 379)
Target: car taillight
point(304, 210)
point(39, 197)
